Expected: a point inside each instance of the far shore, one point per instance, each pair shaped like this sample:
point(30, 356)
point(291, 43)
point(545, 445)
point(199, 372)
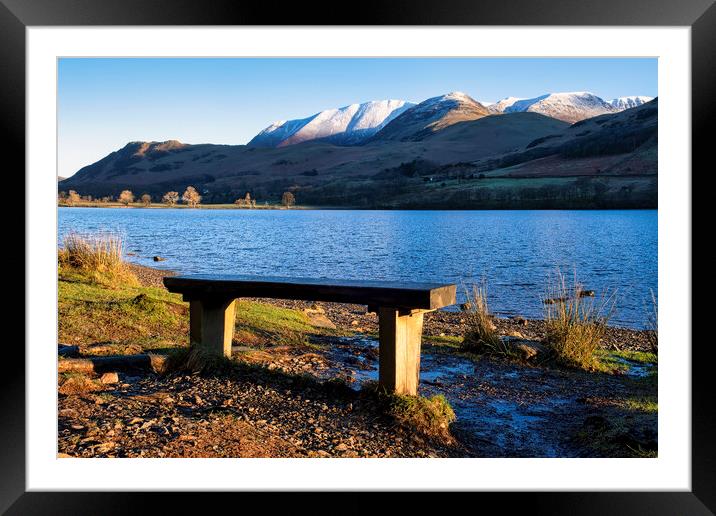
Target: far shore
point(85, 204)
point(157, 205)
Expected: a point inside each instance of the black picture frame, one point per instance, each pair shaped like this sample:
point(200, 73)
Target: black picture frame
point(700, 15)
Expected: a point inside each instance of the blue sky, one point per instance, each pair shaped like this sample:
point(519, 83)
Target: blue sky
point(104, 103)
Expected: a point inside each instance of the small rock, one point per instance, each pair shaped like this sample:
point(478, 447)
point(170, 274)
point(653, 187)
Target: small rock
point(63, 456)
point(109, 378)
point(518, 319)
point(354, 322)
point(342, 447)
point(158, 259)
point(105, 447)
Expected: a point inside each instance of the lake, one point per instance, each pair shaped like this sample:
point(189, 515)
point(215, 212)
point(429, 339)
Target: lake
point(516, 252)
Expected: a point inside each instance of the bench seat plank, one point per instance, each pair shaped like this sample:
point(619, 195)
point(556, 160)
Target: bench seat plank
point(409, 295)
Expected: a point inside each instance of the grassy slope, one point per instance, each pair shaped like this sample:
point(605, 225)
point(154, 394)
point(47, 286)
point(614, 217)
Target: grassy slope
point(133, 319)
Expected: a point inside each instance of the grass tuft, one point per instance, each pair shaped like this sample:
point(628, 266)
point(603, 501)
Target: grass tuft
point(77, 383)
point(575, 324)
point(481, 335)
point(98, 257)
point(429, 416)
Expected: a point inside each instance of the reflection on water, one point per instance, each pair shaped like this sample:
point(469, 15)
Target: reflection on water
point(515, 251)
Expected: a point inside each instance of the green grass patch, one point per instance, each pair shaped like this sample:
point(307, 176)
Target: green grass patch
point(128, 318)
point(90, 312)
point(449, 341)
point(622, 361)
point(644, 357)
point(262, 317)
point(429, 416)
point(649, 404)
point(260, 324)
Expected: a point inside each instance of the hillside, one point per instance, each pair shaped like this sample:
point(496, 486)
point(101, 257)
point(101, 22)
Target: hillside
point(451, 153)
point(431, 116)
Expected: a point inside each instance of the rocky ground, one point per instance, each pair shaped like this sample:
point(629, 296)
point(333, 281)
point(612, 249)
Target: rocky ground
point(281, 402)
point(249, 414)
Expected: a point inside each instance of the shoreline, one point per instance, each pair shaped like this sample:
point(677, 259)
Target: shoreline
point(437, 324)
point(312, 398)
point(271, 207)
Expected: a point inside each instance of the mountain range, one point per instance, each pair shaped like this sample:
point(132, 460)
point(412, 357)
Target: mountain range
point(450, 151)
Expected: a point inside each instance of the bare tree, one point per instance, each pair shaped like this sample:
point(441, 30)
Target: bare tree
point(288, 199)
point(73, 198)
point(191, 197)
point(126, 197)
point(246, 201)
point(146, 199)
point(171, 198)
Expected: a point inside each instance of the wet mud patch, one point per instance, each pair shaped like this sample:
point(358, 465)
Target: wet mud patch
point(508, 409)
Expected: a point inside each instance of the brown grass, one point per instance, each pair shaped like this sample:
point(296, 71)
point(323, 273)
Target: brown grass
point(481, 335)
point(575, 324)
point(100, 257)
point(79, 384)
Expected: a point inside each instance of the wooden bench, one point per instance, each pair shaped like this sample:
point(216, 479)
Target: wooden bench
point(400, 308)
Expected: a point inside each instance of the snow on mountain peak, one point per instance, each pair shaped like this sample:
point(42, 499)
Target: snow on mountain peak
point(570, 106)
point(622, 103)
point(357, 123)
point(346, 125)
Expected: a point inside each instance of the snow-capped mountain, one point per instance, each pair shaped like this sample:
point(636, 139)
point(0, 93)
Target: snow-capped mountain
point(432, 115)
point(501, 105)
point(569, 107)
point(623, 103)
point(348, 125)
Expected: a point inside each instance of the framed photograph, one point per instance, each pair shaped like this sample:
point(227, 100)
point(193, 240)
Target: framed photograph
point(434, 248)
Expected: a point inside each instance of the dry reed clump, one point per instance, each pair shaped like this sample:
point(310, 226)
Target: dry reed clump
point(481, 334)
point(99, 257)
point(575, 323)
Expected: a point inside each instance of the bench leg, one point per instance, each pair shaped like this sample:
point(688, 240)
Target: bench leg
point(215, 325)
point(194, 322)
point(400, 336)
